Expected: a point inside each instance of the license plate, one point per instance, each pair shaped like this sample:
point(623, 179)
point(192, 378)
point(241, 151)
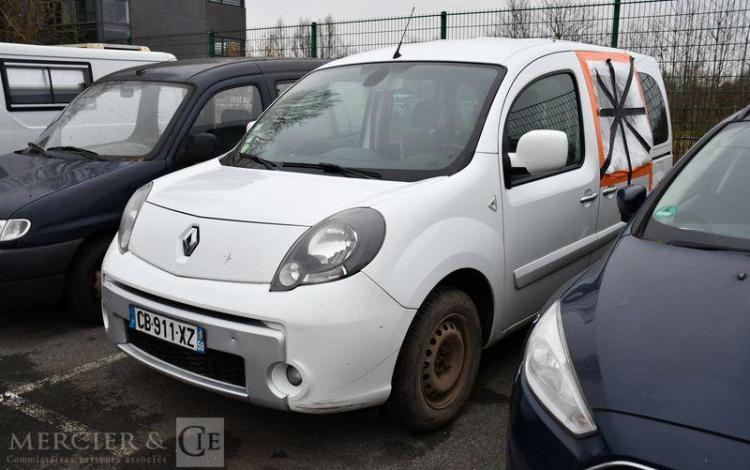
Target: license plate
point(172, 331)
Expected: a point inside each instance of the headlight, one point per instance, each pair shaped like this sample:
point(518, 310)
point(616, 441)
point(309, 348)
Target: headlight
point(130, 214)
point(551, 375)
point(13, 229)
point(337, 247)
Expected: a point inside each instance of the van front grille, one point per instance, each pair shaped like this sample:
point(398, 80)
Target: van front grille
point(217, 365)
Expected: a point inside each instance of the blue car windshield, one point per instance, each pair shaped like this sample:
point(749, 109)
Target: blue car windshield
point(402, 120)
point(706, 205)
point(121, 120)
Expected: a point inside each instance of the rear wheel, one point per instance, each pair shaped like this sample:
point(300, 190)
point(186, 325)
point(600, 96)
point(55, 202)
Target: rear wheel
point(83, 292)
point(438, 362)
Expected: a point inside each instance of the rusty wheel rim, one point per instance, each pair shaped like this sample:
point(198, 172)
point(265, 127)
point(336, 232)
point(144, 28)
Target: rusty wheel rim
point(443, 361)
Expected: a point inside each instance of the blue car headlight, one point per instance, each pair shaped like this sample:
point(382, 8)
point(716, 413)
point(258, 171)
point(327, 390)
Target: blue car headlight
point(551, 376)
point(13, 229)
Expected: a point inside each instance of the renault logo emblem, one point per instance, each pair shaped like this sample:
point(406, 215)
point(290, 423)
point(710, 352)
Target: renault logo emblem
point(190, 240)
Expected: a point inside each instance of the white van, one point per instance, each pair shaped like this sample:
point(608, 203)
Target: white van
point(383, 221)
point(39, 81)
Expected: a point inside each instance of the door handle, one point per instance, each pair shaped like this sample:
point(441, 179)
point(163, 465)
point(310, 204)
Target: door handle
point(588, 198)
point(609, 191)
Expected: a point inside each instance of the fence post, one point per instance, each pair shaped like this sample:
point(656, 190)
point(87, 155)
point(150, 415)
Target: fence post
point(443, 25)
point(615, 23)
point(212, 44)
point(314, 39)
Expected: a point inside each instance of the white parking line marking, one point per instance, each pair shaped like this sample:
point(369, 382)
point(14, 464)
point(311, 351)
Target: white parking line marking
point(13, 399)
point(76, 371)
point(59, 422)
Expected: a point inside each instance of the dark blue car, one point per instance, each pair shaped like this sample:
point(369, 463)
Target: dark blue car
point(644, 360)
point(61, 198)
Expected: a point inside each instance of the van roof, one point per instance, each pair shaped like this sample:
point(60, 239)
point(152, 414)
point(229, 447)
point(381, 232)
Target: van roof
point(31, 51)
point(213, 69)
point(501, 51)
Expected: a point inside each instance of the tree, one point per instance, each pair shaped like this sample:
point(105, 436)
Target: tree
point(298, 39)
point(273, 44)
point(330, 45)
point(565, 20)
point(301, 39)
point(518, 23)
point(37, 21)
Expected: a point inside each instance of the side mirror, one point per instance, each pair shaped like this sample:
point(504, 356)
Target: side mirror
point(249, 126)
point(629, 200)
point(541, 150)
point(200, 147)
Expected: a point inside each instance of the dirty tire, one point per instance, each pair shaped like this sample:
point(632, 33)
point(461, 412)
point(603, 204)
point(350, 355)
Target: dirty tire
point(438, 362)
point(83, 282)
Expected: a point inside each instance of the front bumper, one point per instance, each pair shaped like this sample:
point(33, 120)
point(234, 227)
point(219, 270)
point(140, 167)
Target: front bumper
point(623, 441)
point(342, 336)
point(36, 275)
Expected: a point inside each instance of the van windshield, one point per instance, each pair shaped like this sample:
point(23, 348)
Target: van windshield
point(706, 204)
point(401, 121)
point(118, 120)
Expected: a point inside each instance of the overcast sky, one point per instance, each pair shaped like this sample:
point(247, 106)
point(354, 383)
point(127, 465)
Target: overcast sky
point(266, 13)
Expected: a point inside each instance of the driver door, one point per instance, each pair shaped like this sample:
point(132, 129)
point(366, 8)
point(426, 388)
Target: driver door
point(549, 219)
point(222, 120)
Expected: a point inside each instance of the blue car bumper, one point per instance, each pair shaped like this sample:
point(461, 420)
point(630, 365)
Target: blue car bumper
point(537, 441)
point(36, 275)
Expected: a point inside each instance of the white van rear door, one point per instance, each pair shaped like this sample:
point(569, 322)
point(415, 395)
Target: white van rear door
point(657, 107)
point(609, 223)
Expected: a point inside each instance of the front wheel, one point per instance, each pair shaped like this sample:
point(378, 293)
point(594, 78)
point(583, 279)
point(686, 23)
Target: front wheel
point(438, 362)
point(83, 292)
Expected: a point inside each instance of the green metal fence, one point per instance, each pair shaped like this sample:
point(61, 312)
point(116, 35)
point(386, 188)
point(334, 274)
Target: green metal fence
point(702, 45)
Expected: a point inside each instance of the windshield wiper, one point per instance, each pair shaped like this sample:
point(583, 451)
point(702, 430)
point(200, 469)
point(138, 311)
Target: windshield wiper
point(703, 246)
point(38, 149)
point(257, 159)
point(90, 154)
point(333, 168)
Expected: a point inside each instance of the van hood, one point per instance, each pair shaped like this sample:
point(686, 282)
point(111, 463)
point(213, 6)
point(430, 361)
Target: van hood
point(26, 178)
point(211, 190)
point(244, 219)
point(661, 332)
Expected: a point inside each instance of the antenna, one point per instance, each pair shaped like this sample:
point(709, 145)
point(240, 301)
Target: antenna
point(397, 54)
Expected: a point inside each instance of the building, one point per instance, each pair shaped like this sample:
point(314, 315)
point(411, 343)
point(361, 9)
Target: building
point(119, 21)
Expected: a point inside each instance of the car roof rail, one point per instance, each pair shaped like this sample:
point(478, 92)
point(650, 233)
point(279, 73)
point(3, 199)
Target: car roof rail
point(118, 47)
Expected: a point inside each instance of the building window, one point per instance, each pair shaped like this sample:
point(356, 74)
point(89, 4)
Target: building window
point(234, 3)
point(40, 86)
point(115, 26)
point(85, 11)
point(227, 47)
point(116, 11)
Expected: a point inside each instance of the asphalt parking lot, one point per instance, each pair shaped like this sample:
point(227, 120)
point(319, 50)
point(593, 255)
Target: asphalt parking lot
point(59, 376)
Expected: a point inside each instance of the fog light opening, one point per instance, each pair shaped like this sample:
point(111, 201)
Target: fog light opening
point(293, 376)
point(285, 379)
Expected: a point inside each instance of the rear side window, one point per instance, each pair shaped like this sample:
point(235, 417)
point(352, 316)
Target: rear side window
point(41, 86)
point(657, 109)
point(226, 116)
point(284, 85)
point(550, 102)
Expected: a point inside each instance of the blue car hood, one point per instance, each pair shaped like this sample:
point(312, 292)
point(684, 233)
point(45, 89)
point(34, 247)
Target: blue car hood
point(26, 178)
point(664, 332)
